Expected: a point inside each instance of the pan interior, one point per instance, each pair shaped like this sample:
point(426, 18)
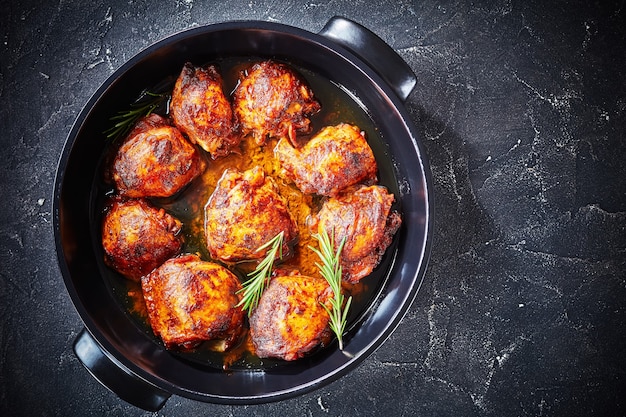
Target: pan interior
point(337, 106)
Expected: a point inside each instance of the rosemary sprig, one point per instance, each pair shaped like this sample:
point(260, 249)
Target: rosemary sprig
point(259, 278)
point(330, 268)
point(124, 120)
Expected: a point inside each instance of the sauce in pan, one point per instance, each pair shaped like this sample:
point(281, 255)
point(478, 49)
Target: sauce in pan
point(338, 106)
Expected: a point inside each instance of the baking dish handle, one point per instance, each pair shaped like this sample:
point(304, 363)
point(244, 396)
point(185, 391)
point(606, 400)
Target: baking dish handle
point(116, 377)
point(374, 51)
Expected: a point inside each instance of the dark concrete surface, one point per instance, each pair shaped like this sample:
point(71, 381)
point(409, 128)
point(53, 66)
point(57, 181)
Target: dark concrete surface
point(522, 105)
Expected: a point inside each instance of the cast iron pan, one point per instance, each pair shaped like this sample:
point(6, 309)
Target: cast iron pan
point(120, 354)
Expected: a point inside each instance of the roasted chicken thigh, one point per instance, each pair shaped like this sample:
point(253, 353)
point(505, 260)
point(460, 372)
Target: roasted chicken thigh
point(138, 237)
point(244, 212)
point(362, 216)
point(190, 301)
point(290, 320)
point(335, 158)
point(155, 160)
point(202, 111)
point(269, 169)
point(272, 100)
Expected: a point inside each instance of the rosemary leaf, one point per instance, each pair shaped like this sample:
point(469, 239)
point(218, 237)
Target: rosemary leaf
point(259, 278)
point(330, 268)
point(126, 119)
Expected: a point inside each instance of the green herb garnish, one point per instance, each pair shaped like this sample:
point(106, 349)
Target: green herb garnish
point(253, 288)
point(126, 119)
point(330, 268)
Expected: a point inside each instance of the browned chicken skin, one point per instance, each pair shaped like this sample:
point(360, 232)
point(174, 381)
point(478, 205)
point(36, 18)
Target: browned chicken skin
point(335, 158)
point(202, 112)
point(190, 301)
point(244, 212)
point(364, 218)
point(272, 100)
point(290, 321)
point(155, 160)
point(138, 237)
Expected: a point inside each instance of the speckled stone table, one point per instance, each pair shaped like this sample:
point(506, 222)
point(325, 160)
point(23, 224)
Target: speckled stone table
point(522, 106)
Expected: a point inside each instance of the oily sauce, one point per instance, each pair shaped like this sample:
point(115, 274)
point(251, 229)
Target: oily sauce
point(338, 106)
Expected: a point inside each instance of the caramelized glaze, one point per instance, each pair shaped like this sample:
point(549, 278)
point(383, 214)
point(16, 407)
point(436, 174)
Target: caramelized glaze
point(338, 106)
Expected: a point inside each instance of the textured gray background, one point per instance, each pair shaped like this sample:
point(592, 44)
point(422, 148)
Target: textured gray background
point(522, 107)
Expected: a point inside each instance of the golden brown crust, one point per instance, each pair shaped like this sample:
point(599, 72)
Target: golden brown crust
point(138, 237)
point(364, 218)
point(289, 321)
point(272, 100)
point(202, 111)
point(244, 212)
point(155, 160)
point(190, 301)
point(335, 158)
